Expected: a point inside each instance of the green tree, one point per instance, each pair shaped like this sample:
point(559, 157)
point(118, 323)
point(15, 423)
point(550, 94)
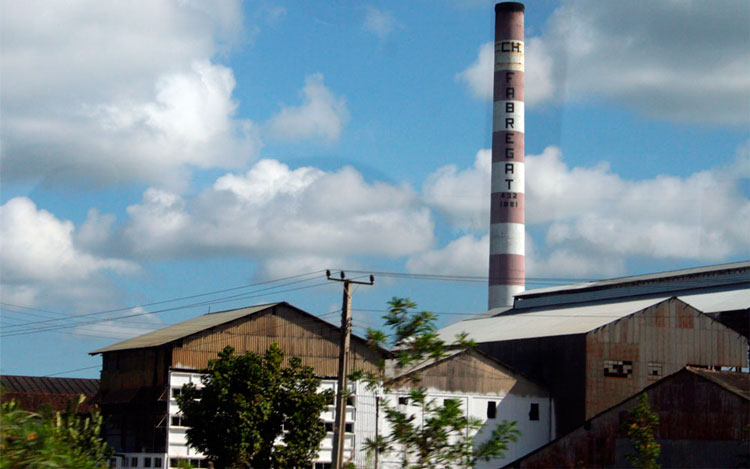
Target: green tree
point(252, 411)
point(640, 427)
point(444, 436)
point(51, 439)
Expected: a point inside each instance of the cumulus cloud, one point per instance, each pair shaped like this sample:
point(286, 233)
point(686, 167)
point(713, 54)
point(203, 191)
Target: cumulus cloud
point(538, 78)
point(41, 261)
point(467, 255)
point(140, 323)
point(381, 23)
point(322, 115)
point(462, 196)
point(659, 59)
point(594, 220)
point(122, 93)
point(275, 214)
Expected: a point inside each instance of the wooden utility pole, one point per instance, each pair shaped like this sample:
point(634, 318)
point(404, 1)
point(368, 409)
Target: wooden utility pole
point(339, 425)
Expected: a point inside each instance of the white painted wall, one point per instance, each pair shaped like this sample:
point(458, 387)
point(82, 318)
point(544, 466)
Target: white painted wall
point(366, 420)
point(534, 433)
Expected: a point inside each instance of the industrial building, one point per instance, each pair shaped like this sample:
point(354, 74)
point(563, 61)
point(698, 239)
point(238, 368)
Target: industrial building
point(36, 393)
point(704, 419)
point(142, 376)
point(595, 344)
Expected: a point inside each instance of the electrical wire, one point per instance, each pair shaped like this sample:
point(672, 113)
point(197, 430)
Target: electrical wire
point(175, 308)
point(144, 305)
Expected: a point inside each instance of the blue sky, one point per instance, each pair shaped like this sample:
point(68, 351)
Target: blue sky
point(157, 150)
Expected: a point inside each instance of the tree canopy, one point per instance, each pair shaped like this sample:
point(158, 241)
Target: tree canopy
point(439, 434)
point(253, 411)
point(51, 439)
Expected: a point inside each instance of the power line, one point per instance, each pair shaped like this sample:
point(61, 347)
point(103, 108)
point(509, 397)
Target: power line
point(71, 371)
point(115, 310)
point(175, 308)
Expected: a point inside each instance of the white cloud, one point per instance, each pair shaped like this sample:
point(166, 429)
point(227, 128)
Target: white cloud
point(467, 255)
point(595, 220)
point(381, 23)
point(322, 115)
point(274, 214)
point(538, 77)
point(661, 59)
point(462, 196)
point(141, 323)
point(41, 261)
point(116, 93)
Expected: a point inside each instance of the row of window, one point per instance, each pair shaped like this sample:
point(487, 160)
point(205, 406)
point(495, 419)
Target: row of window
point(624, 369)
point(177, 391)
point(491, 408)
point(133, 461)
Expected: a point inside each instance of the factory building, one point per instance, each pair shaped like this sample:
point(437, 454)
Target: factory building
point(595, 344)
point(142, 376)
point(704, 417)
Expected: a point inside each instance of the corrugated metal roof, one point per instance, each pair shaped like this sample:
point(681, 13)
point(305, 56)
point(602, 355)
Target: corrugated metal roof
point(183, 329)
point(581, 318)
point(546, 322)
point(711, 269)
point(46, 385)
point(738, 383)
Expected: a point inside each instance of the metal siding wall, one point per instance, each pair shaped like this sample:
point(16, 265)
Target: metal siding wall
point(671, 333)
point(314, 342)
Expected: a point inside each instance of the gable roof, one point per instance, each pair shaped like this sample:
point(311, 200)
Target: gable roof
point(207, 321)
point(183, 329)
point(580, 318)
point(568, 320)
point(738, 383)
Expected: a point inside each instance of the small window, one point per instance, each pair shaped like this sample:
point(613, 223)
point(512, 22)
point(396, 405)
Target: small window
point(176, 392)
point(146, 462)
point(491, 409)
point(349, 428)
point(134, 462)
point(329, 426)
point(157, 462)
point(125, 462)
point(323, 465)
point(534, 411)
point(350, 400)
point(618, 368)
point(403, 401)
point(174, 462)
point(655, 370)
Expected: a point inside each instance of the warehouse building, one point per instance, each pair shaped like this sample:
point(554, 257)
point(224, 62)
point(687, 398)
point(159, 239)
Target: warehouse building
point(595, 344)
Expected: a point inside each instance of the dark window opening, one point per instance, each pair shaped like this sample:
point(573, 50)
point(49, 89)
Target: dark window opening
point(349, 428)
point(329, 426)
point(491, 409)
point(176, 392)
point(403, 400)
point(146, 462)
point(157, 462)
point(618, 368)
point(133, 462)
point(534, 411)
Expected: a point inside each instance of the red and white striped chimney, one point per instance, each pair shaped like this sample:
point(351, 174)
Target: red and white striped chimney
point(507, 230)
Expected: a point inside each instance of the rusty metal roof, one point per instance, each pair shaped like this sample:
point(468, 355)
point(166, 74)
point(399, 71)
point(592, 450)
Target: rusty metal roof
point(580, 318)
point(46, 385)
point(183, 329)
point(738, 383)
